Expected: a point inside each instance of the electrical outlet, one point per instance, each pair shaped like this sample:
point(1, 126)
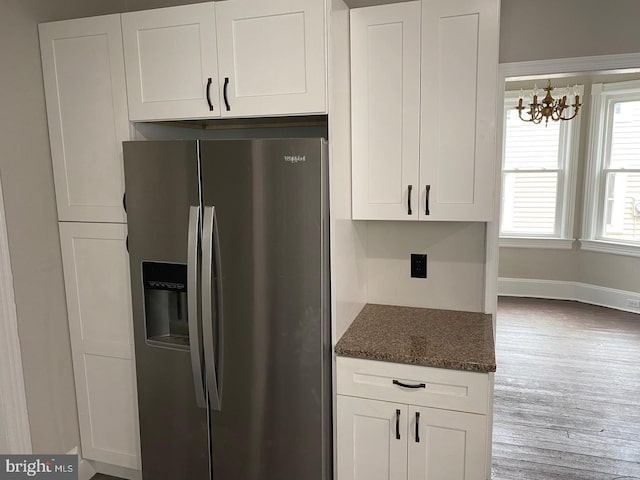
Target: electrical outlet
point(633, 303)
point(418, 265)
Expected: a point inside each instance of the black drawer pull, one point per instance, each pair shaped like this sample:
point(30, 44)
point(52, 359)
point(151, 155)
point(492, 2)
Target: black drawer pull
point(406, 385)
point(397, 424)
point(426, 203)
point(224, 94)
point(209, 82)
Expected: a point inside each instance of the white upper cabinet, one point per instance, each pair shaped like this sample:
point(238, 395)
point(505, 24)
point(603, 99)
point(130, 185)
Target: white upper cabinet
point(385, 102)
point(172, 68)
point(459, 88)
point(271, 57)
point(237, 58)
point(424, 89)
point(84, 80)
point(444, 444)
point(372, 439)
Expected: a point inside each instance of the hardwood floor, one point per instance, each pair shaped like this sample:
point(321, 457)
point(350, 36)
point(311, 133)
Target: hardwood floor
point(567, 392)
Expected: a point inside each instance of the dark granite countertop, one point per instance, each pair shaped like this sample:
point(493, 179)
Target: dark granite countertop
point(421, 336)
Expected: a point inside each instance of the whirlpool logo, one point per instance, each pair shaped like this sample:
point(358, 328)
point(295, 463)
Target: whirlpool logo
point(295, 158)
point(52, 467)
point(166, 285)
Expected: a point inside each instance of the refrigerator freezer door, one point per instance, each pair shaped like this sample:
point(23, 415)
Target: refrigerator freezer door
point(270, 203)
point(162, 188)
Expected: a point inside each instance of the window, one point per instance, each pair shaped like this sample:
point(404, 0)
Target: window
point(538, 180)
point(612, 216)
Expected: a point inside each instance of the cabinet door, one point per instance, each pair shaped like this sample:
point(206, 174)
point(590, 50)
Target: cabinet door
point(446, 445)
point(459, 88)
point(96, 273)
point(86, 96)
point(272, 57)
point(172, 69)
point(368, 445)
point(385, 111)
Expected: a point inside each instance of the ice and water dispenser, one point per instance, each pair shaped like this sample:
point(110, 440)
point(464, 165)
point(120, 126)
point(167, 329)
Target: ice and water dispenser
point(165, 304)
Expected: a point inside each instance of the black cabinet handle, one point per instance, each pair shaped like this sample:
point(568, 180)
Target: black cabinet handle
point(417, 427)
point(426, 206)
point(409, 212)
point(126, 243)
point(124, 202)
point(209, 81)
point(224, 94)
point(397, 424)
point(406, 385)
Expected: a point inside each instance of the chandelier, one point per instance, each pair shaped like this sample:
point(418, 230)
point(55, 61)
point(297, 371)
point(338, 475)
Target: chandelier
point(548, 108)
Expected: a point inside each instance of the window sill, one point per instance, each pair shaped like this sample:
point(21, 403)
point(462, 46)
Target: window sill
point(530, 242)
point(604, 246)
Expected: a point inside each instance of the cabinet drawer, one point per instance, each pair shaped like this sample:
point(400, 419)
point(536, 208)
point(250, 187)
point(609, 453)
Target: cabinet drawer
point(443, 388)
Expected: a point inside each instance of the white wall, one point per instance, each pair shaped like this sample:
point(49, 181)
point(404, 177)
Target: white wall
point(4, 441)
point(455, 264)
point(25, 168)
point(547, 29)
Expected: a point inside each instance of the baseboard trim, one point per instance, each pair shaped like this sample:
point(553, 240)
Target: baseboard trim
point(117, 471)
point(85, 469)
point(88, 468)
point(561, 290)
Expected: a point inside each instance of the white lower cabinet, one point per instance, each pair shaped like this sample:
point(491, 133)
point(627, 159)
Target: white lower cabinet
point(96, 273)
point(446, 445)
point(368, 448)
point(379, 439)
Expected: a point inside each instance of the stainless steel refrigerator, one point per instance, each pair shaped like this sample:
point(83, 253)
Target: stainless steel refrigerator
point(228, 247)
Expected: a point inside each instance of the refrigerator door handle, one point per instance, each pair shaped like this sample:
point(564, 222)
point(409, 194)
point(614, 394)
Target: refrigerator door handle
point(219, 311)
point(192, 305)
point(210, 254)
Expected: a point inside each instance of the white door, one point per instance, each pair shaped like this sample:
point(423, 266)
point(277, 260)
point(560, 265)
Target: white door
point(271, 57)
point(86, 95)
point(459, 88)
point(172, 68)
point(385, 111)
point(371, 439)
point(96, 273)
point(446, 445)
